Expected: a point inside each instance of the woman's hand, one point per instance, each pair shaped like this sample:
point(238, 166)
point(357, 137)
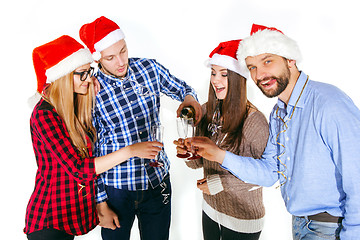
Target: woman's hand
point(180, 146)
point(148, 149)
point(203, 186)
point(206, 148)
point(142, 150)
point(96, 85)
point(107, 217)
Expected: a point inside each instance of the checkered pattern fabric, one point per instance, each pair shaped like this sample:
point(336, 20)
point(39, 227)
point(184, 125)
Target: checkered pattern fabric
point(63, 196)
point(124, 113)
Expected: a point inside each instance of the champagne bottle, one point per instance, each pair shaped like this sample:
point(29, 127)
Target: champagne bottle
point(188, 113)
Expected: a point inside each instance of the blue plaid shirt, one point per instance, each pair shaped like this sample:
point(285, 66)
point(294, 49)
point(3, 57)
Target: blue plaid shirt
point(124, 112)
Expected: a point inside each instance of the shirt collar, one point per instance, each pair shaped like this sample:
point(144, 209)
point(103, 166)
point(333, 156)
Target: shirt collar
point(296, 93)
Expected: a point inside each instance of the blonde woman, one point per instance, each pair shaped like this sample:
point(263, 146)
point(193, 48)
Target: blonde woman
point(63, 202)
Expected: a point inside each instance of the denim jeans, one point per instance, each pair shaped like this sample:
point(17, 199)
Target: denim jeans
point(305, 229)
point(152, 207)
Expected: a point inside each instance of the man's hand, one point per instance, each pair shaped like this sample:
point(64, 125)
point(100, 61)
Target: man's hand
point(191, 101)
point(107, 217)
point(206, 148)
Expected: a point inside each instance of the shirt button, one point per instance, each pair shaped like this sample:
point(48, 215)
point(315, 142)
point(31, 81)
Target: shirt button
point(288, 158)
point(287, 138)
point(288, 198)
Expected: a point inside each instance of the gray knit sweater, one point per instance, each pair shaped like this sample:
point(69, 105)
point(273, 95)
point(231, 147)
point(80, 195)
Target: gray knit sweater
point(229, 195)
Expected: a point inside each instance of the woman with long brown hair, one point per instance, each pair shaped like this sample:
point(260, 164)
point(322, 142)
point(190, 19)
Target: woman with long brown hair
point(232, 209)
point(63, 201)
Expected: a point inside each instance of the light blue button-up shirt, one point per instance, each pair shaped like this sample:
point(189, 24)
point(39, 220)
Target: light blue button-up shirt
point(314, 152)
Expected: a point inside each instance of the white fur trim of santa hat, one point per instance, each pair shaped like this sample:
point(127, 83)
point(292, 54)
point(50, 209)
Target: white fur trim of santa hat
point(109, 40)
point(226, 61)
point(267, 41)
point(68, 64)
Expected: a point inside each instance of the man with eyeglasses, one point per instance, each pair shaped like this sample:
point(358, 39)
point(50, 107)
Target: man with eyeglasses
point(313, 149)
point(127, 106)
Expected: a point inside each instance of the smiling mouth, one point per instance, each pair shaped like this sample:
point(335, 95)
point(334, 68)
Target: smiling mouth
point(268, 82)
point(219, 89)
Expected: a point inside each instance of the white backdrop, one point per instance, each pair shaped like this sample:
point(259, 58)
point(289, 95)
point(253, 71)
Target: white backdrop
point(180, 35)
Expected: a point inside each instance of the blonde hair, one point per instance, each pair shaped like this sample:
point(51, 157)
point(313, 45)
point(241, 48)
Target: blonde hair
point(75, 109)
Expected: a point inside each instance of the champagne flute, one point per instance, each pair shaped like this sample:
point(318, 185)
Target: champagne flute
point(157, 135)
point(191, 133)
point(182, 129)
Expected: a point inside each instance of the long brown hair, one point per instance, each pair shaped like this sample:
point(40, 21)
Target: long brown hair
point(75, 109)
point(234, 109)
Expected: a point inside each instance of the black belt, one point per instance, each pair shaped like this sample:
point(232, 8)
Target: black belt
point(324, 217)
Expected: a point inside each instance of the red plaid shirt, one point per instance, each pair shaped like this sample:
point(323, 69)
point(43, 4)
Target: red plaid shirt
point(64, 193)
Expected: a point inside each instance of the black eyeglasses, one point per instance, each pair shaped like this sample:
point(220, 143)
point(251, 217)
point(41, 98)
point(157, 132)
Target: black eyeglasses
point(84, 74)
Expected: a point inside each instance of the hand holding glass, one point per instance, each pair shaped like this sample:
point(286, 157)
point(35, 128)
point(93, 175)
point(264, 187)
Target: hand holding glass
point(191, 133)
point(182, 128)
point(157, 135)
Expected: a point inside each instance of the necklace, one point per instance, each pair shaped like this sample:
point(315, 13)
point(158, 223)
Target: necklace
point(216, 123)
point(285, 129)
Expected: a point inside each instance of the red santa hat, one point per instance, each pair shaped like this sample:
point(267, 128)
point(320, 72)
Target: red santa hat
point(100, 34)
point(56, 59)
point(225, 55)
point(267, 40)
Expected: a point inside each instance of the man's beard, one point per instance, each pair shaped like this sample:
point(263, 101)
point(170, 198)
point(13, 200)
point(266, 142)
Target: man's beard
point(281, 81)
